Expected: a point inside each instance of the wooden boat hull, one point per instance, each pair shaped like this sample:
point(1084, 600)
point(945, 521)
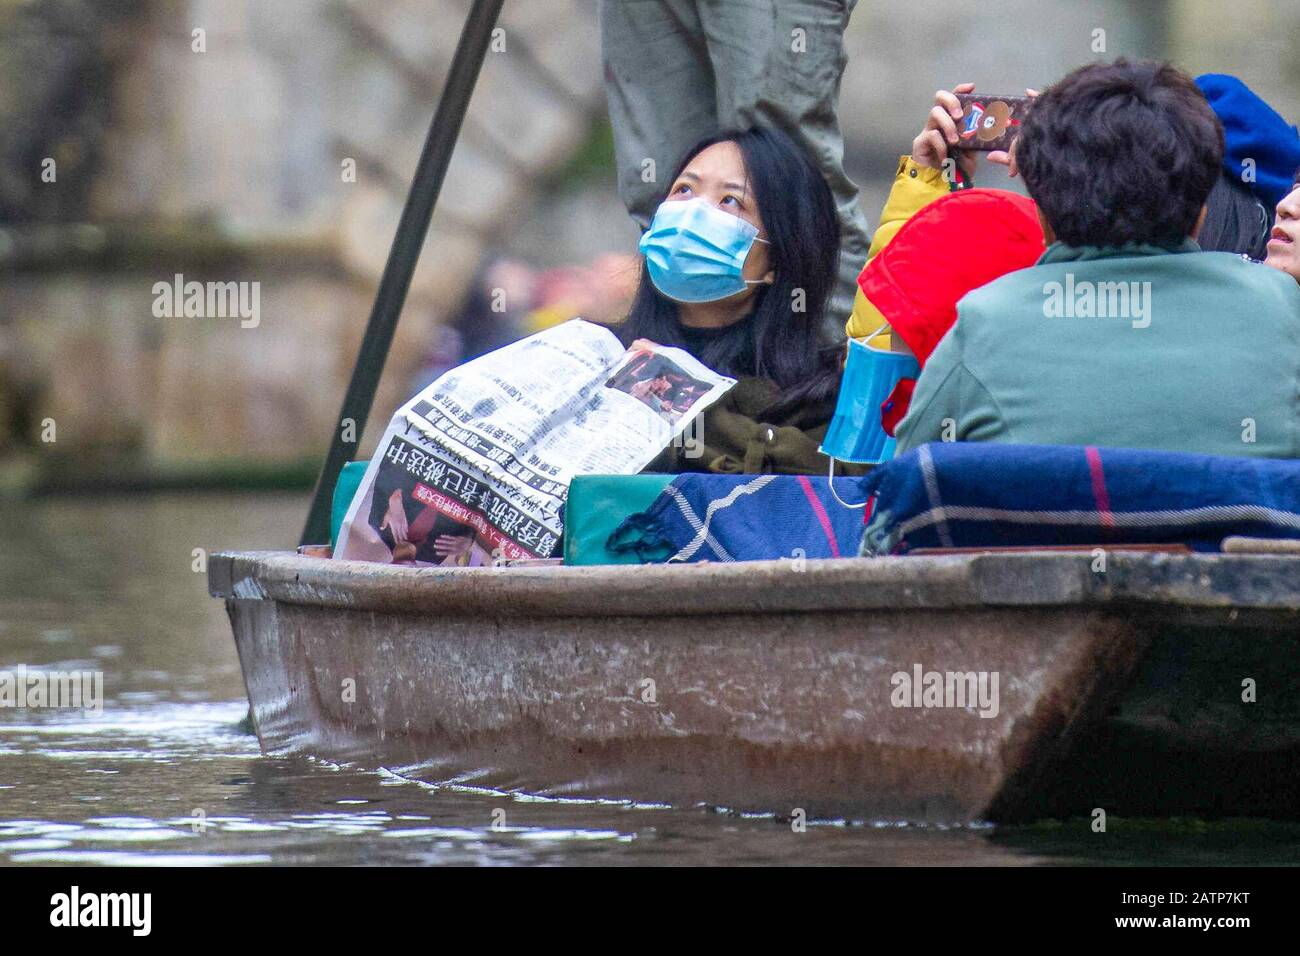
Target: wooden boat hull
point(766, 686)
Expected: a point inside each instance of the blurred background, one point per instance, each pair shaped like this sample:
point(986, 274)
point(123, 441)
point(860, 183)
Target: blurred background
point(272, 142)
point(280, 153)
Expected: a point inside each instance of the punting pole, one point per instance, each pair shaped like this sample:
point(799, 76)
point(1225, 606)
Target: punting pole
point(402, 257)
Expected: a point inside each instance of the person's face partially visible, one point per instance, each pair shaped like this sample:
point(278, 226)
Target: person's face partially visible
point(718, 176)
point(1284, 244)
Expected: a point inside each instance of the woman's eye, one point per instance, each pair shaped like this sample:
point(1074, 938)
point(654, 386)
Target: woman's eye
point(681, 189)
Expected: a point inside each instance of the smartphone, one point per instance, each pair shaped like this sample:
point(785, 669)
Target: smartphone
point(989, 122)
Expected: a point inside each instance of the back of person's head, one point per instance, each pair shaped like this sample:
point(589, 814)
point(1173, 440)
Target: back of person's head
point(1119, 153)
point(1236, 220)
point(783, 340)
point(953, 246)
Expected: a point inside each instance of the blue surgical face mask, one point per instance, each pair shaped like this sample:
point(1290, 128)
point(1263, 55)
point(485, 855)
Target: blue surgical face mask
point(695, 252)
point(855, 433)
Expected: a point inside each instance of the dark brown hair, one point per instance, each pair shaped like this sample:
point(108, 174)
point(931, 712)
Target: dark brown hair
point(1121, 152)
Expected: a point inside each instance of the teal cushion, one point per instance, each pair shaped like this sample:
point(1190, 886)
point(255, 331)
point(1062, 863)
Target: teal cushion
point(597, 505)
point(344, 490)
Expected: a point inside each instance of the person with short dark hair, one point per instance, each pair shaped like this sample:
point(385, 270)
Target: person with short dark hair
point(1124, 333)
point(1121, 153)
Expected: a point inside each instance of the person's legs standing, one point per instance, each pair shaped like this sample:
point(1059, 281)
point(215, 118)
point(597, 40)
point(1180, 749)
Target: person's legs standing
point(780, 62)
point(660, 88)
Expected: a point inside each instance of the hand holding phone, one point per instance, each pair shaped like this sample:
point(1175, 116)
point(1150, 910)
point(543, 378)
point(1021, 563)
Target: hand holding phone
point(989, 122)
point(940, 141)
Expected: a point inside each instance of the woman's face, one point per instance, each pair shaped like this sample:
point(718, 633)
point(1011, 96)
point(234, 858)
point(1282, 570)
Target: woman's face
point(1284, 245)
point(718, 176)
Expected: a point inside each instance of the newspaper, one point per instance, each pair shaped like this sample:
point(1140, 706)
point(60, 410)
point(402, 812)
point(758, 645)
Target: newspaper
point(475, 468)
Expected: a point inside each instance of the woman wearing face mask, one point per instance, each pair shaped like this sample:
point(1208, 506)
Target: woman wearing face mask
point(739, 261)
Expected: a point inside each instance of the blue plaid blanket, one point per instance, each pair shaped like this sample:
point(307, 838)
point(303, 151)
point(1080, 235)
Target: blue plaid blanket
point(961, 494)
point(746, 518)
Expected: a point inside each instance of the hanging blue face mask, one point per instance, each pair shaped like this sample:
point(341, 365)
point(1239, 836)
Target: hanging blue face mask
point(870, 374)
point(695, 252)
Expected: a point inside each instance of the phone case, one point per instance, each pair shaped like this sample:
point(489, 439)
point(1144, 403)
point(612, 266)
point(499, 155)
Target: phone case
point(989, 122)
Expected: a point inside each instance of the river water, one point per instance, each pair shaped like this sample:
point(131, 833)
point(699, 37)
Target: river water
point(164, 775)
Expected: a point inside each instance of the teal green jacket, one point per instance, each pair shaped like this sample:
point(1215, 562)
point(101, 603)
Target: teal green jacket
point(1127, 347)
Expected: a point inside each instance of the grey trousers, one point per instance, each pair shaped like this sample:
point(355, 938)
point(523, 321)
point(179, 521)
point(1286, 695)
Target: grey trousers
point(677, 70)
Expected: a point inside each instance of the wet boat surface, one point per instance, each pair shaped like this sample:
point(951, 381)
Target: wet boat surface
point(772, 686)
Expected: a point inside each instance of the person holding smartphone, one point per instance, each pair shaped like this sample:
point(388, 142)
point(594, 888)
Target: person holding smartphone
point(923, 176)
point(1125, 333)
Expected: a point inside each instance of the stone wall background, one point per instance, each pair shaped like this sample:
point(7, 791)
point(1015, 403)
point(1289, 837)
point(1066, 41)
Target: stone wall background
point(226, 165)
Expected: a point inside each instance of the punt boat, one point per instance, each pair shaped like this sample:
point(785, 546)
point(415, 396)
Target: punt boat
point(1165, 684)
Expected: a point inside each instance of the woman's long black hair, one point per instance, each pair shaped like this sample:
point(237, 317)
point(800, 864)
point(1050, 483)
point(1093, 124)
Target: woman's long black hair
point(1235, 221)
point(782, 338)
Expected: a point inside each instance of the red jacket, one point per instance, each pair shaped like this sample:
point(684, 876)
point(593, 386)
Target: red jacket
point(949, 248)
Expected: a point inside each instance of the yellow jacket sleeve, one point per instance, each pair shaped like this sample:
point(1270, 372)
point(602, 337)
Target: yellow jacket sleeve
point(915, 187)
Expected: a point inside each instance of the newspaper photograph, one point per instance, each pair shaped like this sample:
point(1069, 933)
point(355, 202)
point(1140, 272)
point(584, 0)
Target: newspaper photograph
point(475, 469)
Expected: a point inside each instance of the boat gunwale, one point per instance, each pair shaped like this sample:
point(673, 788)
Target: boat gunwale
point(1135, 581)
